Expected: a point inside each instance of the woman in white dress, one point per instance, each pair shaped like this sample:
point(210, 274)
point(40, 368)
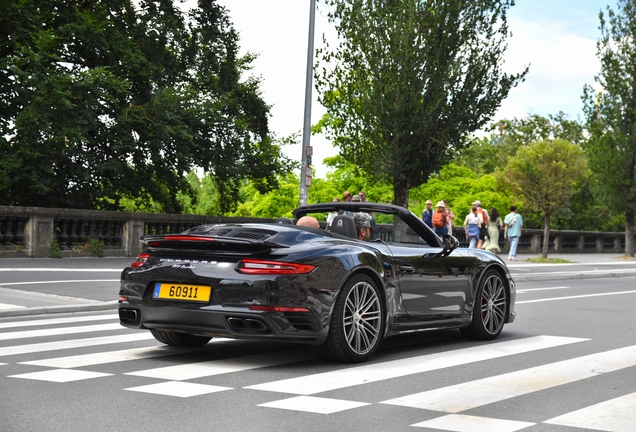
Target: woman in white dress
point(492, 244)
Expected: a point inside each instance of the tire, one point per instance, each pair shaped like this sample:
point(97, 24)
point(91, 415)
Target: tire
point(490, 309)
point(357, 322)
point(179, 339)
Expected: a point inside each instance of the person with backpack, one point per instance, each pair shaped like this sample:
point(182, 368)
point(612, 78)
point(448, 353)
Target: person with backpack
point(440, 219)
point(483, 230)
point(512, 231)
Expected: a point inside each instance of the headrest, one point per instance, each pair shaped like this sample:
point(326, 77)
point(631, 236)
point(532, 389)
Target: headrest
point(344, 225)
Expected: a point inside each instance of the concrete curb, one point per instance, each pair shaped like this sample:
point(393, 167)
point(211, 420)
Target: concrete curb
point(60, 309)
point(571, 276)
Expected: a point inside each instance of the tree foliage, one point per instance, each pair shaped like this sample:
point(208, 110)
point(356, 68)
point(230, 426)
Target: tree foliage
point(507, 136)
point(460, 187)
point(104, 101)
point(611, 116)
point(544, 175)
point(487, 155)
point(409, 81)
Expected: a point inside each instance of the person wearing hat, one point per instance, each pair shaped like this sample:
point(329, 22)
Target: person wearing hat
point(483, 230)
point(440, 219)
point(347, 196)
point(427, 213)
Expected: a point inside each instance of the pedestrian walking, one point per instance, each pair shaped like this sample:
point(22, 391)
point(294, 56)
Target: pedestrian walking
point(483, 231)
point(512, 231)
point(472, 226)
point(494, 224)
point(440, 219)
point(427, 213)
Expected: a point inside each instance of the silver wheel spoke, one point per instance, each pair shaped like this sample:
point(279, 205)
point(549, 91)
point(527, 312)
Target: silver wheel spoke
point(362, 318)
point(493, 305)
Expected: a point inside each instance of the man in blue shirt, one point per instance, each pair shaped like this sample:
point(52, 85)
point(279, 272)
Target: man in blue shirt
point(427, 213)
point(512, 231)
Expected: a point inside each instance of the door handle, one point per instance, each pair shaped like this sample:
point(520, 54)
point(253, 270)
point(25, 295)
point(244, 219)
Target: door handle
point(407, 268)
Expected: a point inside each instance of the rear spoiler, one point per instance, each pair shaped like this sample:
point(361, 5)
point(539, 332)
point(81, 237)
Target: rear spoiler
point(202, 242)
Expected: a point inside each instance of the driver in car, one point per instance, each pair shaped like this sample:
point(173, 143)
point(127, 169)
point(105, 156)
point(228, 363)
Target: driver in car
point(363, 225)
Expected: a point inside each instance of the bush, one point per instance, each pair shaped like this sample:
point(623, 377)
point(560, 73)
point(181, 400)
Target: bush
point(54, 250)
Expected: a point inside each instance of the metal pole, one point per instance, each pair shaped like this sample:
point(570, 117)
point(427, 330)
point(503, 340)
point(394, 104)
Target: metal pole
point(305, 169)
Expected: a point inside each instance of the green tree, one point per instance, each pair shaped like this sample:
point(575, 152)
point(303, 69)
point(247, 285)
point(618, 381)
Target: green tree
point(460, 187)
point(486, 154)
point(104, 101)
point(544, 175)
point(409, 81)
point(611, 116)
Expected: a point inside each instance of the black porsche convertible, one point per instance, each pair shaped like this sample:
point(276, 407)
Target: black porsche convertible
point(321, 286)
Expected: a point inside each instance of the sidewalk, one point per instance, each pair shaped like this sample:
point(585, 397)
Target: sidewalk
point(577, 258)
point(581, 266)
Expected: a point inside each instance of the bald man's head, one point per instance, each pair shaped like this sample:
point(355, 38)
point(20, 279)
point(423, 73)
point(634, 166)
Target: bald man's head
point(308, 221)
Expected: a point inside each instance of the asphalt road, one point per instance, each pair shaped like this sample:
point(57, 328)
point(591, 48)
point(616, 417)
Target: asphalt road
point(44, 285)
point(568, 363)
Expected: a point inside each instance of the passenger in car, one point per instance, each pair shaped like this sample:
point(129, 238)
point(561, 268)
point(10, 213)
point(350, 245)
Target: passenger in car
point(363, 225)
point(308, 221)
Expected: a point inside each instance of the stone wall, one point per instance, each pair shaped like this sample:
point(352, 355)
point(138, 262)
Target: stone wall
point(31, 231)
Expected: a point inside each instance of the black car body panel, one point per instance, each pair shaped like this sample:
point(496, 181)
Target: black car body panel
point(422, 283)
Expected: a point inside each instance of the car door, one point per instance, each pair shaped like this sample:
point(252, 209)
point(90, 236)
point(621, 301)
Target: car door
point(433, 286)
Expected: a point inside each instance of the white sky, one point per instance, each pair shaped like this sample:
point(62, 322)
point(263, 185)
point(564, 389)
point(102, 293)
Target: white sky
point(557, 38)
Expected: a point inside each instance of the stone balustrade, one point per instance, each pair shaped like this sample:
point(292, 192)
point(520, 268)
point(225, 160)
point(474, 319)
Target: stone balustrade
point(31, 232)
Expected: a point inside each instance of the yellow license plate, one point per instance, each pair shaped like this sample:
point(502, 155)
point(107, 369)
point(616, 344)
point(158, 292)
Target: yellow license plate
point(199, 293)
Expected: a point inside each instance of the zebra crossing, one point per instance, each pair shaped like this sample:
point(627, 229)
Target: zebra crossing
point(453, 406)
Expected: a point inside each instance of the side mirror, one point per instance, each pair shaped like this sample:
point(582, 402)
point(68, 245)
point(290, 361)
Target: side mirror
point(449, 242)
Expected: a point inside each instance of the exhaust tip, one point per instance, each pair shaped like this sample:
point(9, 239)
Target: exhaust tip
point(253, 324)
point(236, 323)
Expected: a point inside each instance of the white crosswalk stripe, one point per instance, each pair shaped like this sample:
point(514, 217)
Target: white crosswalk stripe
point(73, 343)
point(183, 372)
point(468, 423)
point(616, 415)
point(4, 306)
point(465, 396)
point(308, 392)
point(84, 360)
point(58, 331)
point(55, 321)
point(374, 372)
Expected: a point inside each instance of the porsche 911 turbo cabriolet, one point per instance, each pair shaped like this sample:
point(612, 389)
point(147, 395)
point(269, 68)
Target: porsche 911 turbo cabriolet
point(324, 287)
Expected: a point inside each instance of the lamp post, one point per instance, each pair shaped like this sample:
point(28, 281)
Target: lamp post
point(305, 168)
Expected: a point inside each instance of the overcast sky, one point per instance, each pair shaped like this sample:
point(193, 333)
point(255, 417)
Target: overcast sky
point(557, 38)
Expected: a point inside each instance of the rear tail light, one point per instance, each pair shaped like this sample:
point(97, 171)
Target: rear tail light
point(141, 260)
point(277, 308)
point(255, 266)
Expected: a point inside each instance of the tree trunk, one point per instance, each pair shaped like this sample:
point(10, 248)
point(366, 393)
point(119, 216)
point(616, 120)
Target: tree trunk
point(629, 233)
point(546, 236)
point(401, 193)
